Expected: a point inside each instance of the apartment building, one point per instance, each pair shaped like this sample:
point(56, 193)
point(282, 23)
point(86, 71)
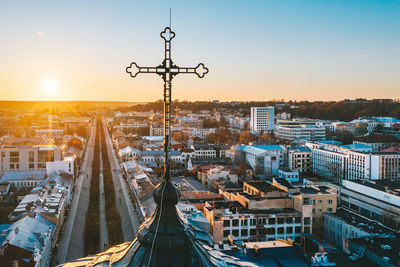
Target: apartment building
point(262, 212)
point(300, 159)
point(293, 133)
point(28, 158)
point(337, 163)
point(379, 199)
point(322, 198)
point(262, 119)
point(345, 224)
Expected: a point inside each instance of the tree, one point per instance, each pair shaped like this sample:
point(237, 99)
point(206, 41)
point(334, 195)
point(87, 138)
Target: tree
point(345, 136)
point(75, 142)
point(222, 136)
point(180, 137)
point(246, 137)
point(267, 137)
point(82, 131)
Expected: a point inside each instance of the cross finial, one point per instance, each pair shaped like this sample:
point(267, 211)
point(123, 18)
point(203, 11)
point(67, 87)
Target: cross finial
point(167, 70)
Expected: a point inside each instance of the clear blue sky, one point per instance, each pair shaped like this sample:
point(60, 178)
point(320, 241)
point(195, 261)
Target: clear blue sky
point(255, 50)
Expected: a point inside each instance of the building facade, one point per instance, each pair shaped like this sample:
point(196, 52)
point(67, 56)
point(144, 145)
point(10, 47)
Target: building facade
point(28, 158)
point(262, 119)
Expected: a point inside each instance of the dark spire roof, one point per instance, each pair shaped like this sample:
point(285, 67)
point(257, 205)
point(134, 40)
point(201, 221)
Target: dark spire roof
point(164, 240)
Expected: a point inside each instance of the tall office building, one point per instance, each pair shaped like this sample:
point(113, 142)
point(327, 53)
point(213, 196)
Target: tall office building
point(262, 119)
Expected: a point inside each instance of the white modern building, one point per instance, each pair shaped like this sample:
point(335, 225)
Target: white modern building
point(376, 200)
point(265, 160)
point(262, 119)
point(28, 158)
point(337, 163)
point(345, 224)
point(300, 132)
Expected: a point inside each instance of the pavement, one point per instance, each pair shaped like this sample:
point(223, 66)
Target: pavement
point(103, 223)
point(71, 244)
point(129, 219)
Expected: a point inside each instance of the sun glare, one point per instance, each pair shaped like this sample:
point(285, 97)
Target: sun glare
point(50, 85)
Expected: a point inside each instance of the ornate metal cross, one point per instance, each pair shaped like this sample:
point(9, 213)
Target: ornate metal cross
point(167, 70)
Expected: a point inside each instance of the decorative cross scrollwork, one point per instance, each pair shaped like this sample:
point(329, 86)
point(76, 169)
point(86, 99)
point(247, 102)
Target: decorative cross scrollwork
point(167, 70)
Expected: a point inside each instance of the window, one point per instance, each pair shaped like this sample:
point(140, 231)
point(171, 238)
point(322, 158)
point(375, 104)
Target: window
point(253, 221)
point(330, 201)
point(227, 223)
point(281, 220)
point(226, 233)
point(270, 231)
point(235, 232)
point(253, 231)
point(307, 220)
point(243, 222)
point(297, 230)
point(271, 221)
point(31, 156)
point(281, 230)
point(14, 156)
point(307, 230)
point(320, 201)
point(289, 230)
point(31, 166)
point(297, 220)
point(244, 232)
point(330, 209)
point(235, 222)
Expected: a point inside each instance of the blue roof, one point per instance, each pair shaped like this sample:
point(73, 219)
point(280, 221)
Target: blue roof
point(27, 233)
point(268, 147)
point(273, 256)
point(301, 148)
point(23, 175)
point(159, 153)
point(330, 142)
point(358, 147)
point(151, 153)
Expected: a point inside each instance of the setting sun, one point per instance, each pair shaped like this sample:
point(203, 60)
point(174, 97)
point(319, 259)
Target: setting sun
point(50, 85)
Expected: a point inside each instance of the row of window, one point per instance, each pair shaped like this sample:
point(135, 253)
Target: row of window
point(261, 221)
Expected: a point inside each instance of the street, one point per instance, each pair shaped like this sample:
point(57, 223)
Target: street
point(71, 244)
point(130, 222)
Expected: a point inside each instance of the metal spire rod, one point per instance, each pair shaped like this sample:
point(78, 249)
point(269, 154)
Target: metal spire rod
point(167, 70)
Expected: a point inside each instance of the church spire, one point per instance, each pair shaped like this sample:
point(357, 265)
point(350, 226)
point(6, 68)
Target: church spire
point(164, 240)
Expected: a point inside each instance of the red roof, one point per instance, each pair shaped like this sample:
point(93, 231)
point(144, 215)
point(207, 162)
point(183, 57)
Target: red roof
point(392, 149)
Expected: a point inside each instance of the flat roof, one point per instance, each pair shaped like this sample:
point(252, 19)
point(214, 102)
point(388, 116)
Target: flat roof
point(263, 186)
point(361, 222)
point(23, 175)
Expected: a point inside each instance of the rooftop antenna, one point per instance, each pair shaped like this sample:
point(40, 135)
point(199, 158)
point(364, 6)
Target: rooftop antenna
point(170, 17)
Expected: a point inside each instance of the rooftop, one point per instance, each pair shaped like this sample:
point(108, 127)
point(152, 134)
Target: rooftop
point(316, 189)
point(23, 175)
point(300, 148)
point(361, 222)
point(382, 247)
point(271, 253)
point(263, 186)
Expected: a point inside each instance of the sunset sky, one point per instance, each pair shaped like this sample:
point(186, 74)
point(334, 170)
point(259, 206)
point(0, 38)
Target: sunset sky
point(255, 50)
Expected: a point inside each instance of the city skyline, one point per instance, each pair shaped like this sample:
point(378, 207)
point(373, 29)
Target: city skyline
point(302, 51)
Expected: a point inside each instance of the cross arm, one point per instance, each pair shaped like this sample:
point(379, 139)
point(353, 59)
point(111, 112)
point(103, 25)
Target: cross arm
point(200, 70)
point(134, 70)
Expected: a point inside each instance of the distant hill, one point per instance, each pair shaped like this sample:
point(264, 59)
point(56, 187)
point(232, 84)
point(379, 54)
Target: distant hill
point(24, 105)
